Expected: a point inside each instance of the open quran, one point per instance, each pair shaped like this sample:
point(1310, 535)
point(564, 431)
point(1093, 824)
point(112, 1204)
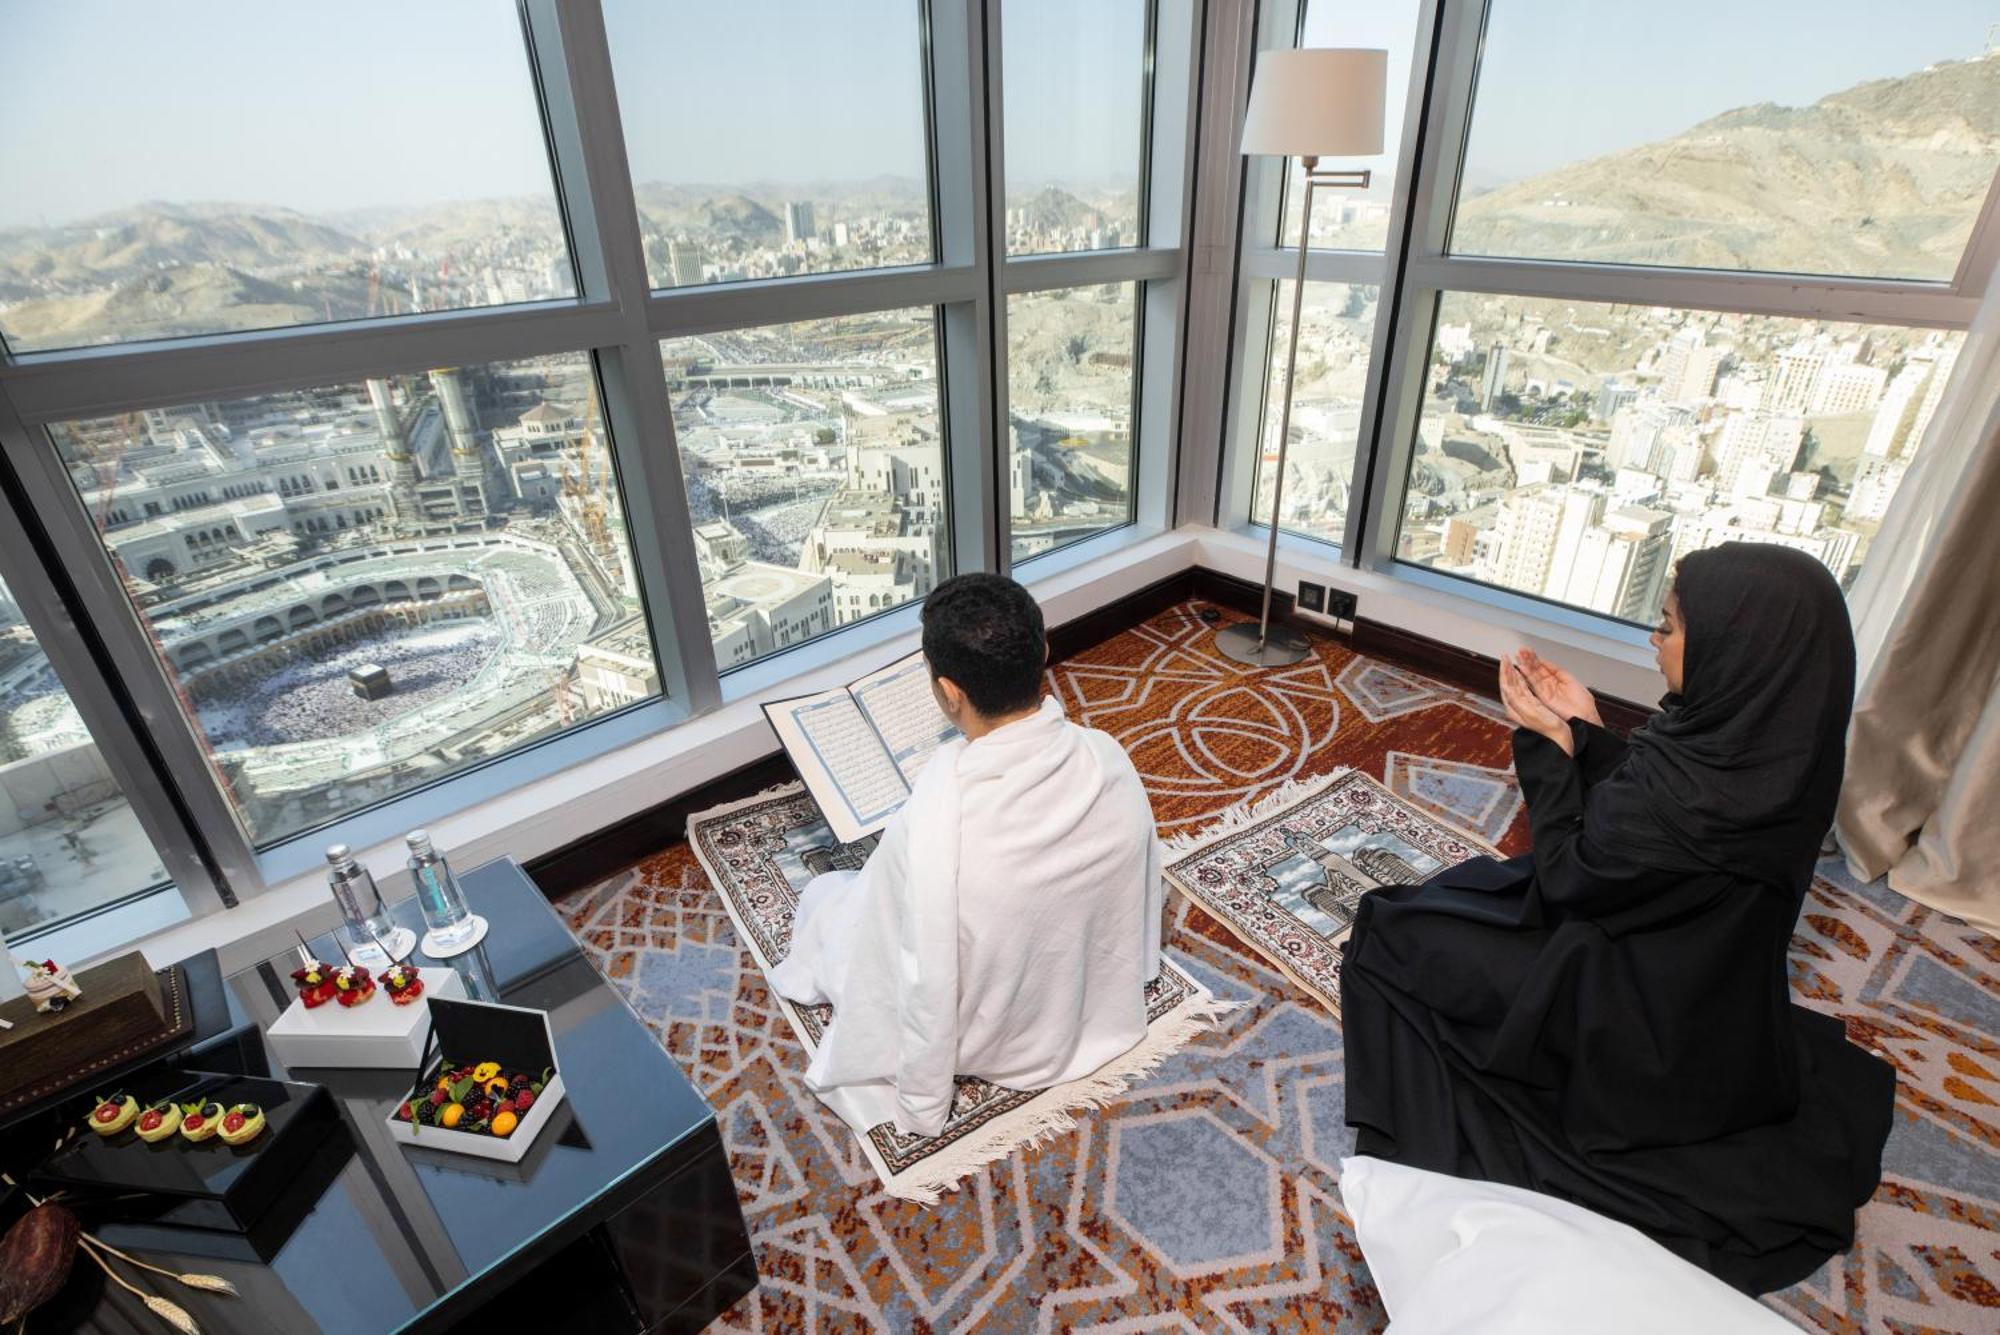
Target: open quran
point(860, 747)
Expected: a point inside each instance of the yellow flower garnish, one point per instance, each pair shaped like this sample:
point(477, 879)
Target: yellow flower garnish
point(485, 1071)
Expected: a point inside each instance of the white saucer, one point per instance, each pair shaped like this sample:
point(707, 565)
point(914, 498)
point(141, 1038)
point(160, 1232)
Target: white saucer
point(431, 948)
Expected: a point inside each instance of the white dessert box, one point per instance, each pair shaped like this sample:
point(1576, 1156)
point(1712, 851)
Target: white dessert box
point(476, 1031)
point(378, 1032)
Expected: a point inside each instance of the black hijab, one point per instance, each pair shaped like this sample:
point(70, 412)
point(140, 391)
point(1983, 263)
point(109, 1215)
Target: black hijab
point(1740, 771)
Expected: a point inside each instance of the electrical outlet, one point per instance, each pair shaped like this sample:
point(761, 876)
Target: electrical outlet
point(1340, 604)
point(1312, 597)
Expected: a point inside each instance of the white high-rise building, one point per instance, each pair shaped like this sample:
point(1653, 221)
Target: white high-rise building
point(1799, 368)
point(684, 262)
point(1848, 388)
point(798, 222)
point(1620, 566)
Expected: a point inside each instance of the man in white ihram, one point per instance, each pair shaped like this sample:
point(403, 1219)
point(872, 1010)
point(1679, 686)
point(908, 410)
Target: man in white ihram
point(1009, 920)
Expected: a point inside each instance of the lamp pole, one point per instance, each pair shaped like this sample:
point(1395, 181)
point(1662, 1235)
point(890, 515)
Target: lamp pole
point(1287, 646)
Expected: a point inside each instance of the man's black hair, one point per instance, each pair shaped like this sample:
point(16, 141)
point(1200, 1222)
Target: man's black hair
point(985, 633)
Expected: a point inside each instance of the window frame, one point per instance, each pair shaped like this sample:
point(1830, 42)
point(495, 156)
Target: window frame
point(617, 320)
point(1418, 268)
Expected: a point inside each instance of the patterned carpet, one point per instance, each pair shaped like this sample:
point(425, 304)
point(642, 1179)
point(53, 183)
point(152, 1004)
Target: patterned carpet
point(1207, 1200)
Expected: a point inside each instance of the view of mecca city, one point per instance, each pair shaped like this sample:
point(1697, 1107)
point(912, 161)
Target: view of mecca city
point(1576, 451)
point(359, 589)
point(68, 838)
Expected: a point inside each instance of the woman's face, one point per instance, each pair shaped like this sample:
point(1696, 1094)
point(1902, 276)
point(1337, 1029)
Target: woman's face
point(1670, 642)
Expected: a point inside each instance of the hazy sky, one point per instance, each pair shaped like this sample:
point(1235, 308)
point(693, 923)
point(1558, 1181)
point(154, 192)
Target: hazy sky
point(1562, 80)
point(362, 103)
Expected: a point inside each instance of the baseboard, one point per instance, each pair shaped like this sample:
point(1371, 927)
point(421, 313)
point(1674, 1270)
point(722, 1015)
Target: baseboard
point(1466, 670)
point(604, 852)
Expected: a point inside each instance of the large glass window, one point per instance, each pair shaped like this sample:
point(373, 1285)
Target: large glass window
point(1832, 138)
point(359, 589)
point(1070, 411)
point(1075, 102)
point(778, 138)
point(1336, 329)
point(267, 165)
point(69, 841)
point(815, 473)
point(1574, 451)
point(1357, 219)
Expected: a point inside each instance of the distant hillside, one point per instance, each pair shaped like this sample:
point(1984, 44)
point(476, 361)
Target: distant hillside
point(1883, 178)
point(1052, 208)
point(118, 246)
point(172, 301)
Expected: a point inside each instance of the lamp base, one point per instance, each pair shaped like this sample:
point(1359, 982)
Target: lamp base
point(1281, 647)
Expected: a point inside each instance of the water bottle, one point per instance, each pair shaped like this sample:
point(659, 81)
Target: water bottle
point(451, 923)
point(370, 929)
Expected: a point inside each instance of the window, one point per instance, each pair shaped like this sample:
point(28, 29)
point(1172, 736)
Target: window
point(815, 471)
point(1865, 150)
point(267, 166)
point(1357, 219)
point(360, 589)
point(69, 841)
point(777, 139)
point(1070, 410)
point(1075, 101)
point(1336, 330)
point(1574, 451)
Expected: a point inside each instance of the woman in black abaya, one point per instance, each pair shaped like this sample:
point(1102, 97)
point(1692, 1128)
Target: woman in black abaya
point(1607, 1019)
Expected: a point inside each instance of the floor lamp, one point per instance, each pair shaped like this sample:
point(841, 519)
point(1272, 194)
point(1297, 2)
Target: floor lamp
point(1310, 103)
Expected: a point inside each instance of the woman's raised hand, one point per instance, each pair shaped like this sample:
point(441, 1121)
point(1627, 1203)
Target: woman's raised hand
point(1558, 689)
point(1528, 711)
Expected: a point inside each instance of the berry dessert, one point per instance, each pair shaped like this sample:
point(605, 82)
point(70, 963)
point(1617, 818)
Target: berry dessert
point(404, 985)
point(241, 1124)
point(483, 1100)
point(315, 984)
point(352, 985)
point(158, 1122)
point(199, 1121)
point(114, 1114)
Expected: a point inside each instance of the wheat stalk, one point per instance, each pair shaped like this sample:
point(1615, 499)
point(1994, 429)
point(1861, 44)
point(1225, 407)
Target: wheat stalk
point(206, 1283)
point(170, 1312)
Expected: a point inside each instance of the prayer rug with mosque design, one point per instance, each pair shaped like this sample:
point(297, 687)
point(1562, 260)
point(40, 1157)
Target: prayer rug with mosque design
point(760, 853)
point(1206, 1197)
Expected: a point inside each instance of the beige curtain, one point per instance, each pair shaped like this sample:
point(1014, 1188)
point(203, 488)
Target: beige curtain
point(1922, 801)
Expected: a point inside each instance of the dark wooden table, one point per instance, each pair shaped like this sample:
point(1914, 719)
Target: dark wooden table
point(622, 1216)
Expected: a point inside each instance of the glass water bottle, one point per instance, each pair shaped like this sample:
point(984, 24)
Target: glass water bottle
point(451, 923)
point(369, 926)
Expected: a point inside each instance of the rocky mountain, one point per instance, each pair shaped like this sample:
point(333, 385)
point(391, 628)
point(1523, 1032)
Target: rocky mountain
point(119, 246)
point(1052, 208)
point(1882, 179)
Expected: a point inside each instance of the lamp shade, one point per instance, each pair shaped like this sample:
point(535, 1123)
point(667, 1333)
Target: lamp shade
point(1317, 102)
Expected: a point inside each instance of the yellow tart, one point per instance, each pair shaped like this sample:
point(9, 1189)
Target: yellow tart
point(158, 1123)
point(112, 1116)
point(241, 1124)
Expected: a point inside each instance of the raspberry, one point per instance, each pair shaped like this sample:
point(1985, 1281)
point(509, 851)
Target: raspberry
point(524, 1100)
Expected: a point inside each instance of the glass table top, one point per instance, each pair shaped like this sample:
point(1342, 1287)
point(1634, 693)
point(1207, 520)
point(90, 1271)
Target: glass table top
point(398, 1229)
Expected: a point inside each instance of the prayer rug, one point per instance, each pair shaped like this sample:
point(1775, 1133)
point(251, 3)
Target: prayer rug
point(760, 853)
point(1207, 1196)
point(1286, 874)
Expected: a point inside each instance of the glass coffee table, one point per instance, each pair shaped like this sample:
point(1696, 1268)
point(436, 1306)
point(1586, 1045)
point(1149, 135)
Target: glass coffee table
point(622, 1216)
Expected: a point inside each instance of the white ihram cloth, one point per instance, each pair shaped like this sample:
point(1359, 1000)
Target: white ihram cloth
point(1005, 927)
point(1457, 1257)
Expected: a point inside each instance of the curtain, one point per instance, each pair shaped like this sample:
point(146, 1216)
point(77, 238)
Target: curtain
point(1922, 798)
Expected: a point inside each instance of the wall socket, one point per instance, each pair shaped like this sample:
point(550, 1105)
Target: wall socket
point(1341, 605)
point(1312, 597)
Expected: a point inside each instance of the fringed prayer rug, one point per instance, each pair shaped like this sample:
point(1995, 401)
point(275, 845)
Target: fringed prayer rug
point(1286, 873)
point(760, 853)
